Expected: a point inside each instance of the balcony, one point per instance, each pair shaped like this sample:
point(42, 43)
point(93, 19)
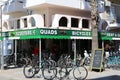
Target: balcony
point(24, 22)
point(69, 4)
point(113, 17)
point(13, 6)
point(61, 21)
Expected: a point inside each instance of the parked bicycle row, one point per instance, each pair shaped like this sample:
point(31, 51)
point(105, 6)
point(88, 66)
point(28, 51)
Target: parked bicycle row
point(50, 69)
point(113, 60)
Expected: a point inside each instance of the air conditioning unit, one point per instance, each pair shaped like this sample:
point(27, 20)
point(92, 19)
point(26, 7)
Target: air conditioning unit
point(107, 3)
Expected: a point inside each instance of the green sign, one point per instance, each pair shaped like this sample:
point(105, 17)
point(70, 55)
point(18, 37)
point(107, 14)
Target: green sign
point(65, 32)
point(47, 33)
point(108, 35)
point(23, 32)
point(81, 33)
point(57, 33)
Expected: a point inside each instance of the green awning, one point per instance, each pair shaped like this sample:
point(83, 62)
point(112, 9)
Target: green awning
point(45, 33)
point(106, 38)
point(45, 37)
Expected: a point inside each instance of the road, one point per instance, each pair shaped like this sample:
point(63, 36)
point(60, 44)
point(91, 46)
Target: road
point(17, 74)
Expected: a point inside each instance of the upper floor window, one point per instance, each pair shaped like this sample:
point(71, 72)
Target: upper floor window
point(74, 22)
point(104, 25)
point(5, 25)
point(63, 22)
point(18, 24)
point(33, 22)
point(87, 0)
point(85, 23)
point(116, 12)
point(108, 9)
point(25, 22)
point(11, 23)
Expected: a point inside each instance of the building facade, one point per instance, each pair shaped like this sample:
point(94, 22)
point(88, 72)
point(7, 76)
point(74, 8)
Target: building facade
point(64, 22)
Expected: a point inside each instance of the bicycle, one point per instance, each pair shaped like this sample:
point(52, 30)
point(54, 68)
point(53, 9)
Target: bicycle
point(48, 71)
point(79, 72)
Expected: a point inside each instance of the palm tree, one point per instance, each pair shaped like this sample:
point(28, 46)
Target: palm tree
point(94, 24)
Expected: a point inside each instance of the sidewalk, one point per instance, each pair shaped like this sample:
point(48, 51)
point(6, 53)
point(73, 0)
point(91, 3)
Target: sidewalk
point(17, 74)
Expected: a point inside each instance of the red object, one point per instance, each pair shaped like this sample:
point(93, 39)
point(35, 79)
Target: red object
point(36, 51)
point(54, 48)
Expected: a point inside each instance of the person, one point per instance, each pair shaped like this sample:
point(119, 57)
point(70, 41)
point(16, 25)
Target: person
point(54, 51)
point(86, 55)
point(36, 53)
point(36, 50)
point(106, 56)
point(107, 51)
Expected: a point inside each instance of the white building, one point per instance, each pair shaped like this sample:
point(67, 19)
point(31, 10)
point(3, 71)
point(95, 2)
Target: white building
point(50, 12)
point(56, 19)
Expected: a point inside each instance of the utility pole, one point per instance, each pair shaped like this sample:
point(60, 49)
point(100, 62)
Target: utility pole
point(94, 24)
point(1, 47)
point(0, 39)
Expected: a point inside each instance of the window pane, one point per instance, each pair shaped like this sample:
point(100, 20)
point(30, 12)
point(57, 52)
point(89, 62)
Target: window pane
point(33, 22)
point(85, 23)
point(63, 22)
point(25, 22)
point(74, 22)
point(18, 24)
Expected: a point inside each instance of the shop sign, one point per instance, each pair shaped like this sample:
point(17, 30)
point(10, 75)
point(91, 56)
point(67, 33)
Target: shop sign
point(117, 35)
point(40, 32)
point(82, 33)
point(23, 33)
point(48, 31)
point(65, 32)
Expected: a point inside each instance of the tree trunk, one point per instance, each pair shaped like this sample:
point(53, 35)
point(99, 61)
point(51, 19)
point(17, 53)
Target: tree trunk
point(94, 24)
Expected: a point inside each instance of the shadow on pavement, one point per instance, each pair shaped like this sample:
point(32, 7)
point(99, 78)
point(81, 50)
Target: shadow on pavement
point(114, 77)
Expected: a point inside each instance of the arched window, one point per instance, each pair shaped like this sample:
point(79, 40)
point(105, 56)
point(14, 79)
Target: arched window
point(63, 22)
point(33, 23)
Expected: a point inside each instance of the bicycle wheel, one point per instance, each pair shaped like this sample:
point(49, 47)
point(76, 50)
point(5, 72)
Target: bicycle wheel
point(28, 71)
point(52, 62)
point(49, 72)
point(80, 73)
point(62, 72)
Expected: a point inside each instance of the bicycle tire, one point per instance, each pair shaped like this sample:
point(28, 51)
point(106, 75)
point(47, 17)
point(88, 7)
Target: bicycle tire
point(62, 72)
point(49, 72)
point(52, 62)
point(29, 71)
point(80, 73)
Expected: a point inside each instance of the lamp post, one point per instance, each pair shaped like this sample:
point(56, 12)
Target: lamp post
point(1, 47)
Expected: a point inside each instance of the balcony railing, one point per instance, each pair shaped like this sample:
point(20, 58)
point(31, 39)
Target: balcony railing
point(13, 6)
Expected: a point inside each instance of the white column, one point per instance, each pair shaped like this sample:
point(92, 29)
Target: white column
point(40, 52)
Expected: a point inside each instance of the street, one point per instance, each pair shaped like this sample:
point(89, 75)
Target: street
point(17, 74)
